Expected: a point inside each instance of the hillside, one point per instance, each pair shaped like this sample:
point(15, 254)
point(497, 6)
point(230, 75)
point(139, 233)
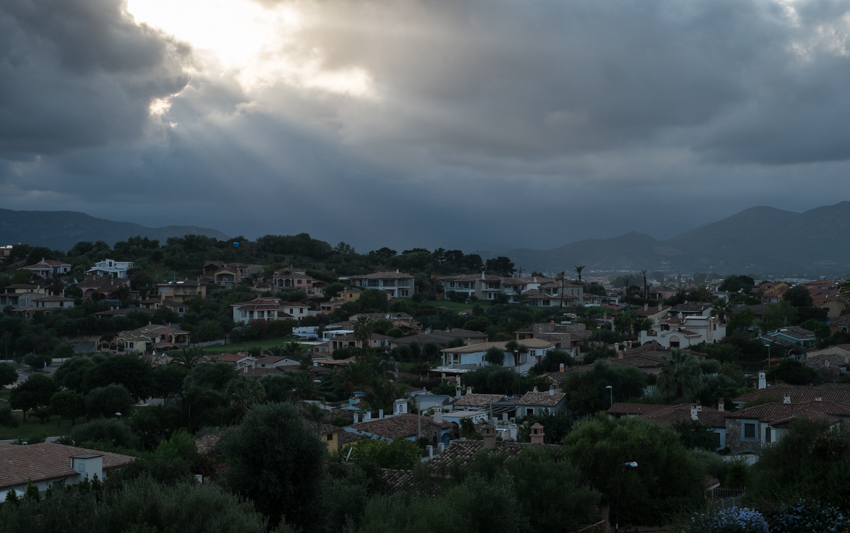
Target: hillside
point(760, 239)
point(60, 230)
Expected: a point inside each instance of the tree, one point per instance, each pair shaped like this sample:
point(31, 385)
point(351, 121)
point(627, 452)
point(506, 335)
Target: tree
point(398, 454)
point(695, 436)
point(8, 374)
point(667, 478)
point(500, 266)
point(106, 401)
point(109, 431)
point(579, 269)
point(68, 404)
point(242, 393)
point(553, 360)
point(373, 300)
point(798, 296)
point(187, 358)
point(587, 393)
point(128, 370)
point(37, 362)
point(363, 331)
point(517, 349)
point(679, 376)
point(494, 356)
point(721, 308)
point(287, 481)
point(792, 372)
point(7, 419)
point(35, 392)
point(72, 372)
point(778, 315)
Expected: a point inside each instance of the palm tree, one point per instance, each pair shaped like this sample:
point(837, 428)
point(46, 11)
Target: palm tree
point(579, 268)
point(363, 331)
point(560, 278)
point(721, 308)
point(242, 393)
point(187, 358)
point(679, 376)
point(303, 386)
point(315, 414)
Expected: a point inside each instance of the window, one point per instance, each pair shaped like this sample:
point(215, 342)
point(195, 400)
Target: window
point(767, 435)
point(529, 411)
point(330, 436)
point(372, 283)
point(404, 283)
point(749, 430)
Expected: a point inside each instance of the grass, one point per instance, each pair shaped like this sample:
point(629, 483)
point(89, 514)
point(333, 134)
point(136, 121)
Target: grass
point(243, 346)
point(447, 304)
point(34, 427)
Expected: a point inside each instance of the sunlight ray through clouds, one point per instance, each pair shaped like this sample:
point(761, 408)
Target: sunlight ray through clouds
point(259, 46)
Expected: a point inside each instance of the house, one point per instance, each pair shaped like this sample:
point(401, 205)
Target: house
point(537, 403)
point(331, 306)
point(395, 284)
point(110, 268)
point(271, 361)
point(328, 434)
point(830, 392)
point(265, 308)
point(668, 415)
point(152, 337)
point(404, 425)
point(100, 288)
point(53, 465)
point(472, 356)
point(290, 278)
point(21, 295)
point(514, 288)
point(749, 429)
point(351, 294)
point(552, 293)
point(685, 325)
point(229, 274)
point(481, 286)
point(42, 304)
point(47, 268)
point(565, 336)
point(791, 336)
point(181, 290)
point(5, 252)
point(476, 402)
point(348, 341)
point(773, 292)
point(241, 361)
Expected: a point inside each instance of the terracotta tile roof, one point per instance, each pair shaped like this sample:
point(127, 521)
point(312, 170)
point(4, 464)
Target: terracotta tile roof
point(477, 400)
point(126, 311)
point(464, 451)
point(776, 412)
point(621, 408)
point(795, 332)
point(832, 392)
point(347, 437)
point(691, 307)
point(541, 399)
point(706, 416)
point(536, 344)
point(471, 277)
point(260, 372)
point(826, 360)
point(46, 461)
point(404, 425)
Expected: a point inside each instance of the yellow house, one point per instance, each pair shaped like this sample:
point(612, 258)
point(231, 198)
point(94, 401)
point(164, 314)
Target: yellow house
point(181, 290)
point(351, 294)
point(329, 435)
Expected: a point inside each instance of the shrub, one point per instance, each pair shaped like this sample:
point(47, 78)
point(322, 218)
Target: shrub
point(806, 516)
point(734, 520)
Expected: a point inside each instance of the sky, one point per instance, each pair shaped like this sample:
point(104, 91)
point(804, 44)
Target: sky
point(482, 124)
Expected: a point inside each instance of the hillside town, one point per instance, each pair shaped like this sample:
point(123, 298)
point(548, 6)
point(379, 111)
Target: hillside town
point(643, 395)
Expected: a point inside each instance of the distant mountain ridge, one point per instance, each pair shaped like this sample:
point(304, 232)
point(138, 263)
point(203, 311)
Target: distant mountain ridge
point(61, 230)
point(762, 239)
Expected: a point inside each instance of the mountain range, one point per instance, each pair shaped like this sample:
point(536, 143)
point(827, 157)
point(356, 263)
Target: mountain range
point(762, 240)
point(61, 230)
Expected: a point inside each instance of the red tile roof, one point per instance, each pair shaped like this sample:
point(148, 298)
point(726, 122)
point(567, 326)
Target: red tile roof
point(46, 461)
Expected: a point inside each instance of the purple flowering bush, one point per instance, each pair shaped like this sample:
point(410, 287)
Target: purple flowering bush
point(808, 516)
point(733, 520)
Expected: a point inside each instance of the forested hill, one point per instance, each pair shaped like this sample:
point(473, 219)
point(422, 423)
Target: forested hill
point(760, 239)
point(60, 230)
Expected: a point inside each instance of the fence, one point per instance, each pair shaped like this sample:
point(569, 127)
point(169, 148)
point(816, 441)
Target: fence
point(599, 527)
point(721, 498)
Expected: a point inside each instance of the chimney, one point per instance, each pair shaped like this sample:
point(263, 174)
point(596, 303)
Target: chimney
point(561, 367)
point(430, 450)
point(786, 399)
point(356, 418)
point(482, 274)
point(826, 363)
point(368, 416)
point(535, 389)
point(646, 307)
point(762, 381)
point(380, 414)
point(659, 307)
point(438, 417)
point(504, 417)
point(441, 447)
point(469, 390)
point(551, 390)
point(400, 406)
point(720, 404)
point(489, 432)
point(537, 434)
point(818, 399)
point(457, 391)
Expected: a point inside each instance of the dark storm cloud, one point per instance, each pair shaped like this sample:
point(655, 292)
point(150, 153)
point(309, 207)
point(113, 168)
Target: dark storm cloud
point(77, 73)
point(531, 123)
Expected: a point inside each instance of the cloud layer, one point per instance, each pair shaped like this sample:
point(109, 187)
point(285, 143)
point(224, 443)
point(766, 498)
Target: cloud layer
point(493, 121)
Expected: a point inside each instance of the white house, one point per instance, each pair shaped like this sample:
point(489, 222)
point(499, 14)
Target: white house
point(395, 284)
point(472, 356)
point(265, 308)
point(53, 465)
point(110, 268)
point(537, 403)
point(685, 325)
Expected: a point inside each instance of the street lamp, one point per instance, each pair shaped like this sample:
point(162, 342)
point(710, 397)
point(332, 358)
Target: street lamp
point(768, 353)
point(118, 415)
point(611, 390)
point(630, 464)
